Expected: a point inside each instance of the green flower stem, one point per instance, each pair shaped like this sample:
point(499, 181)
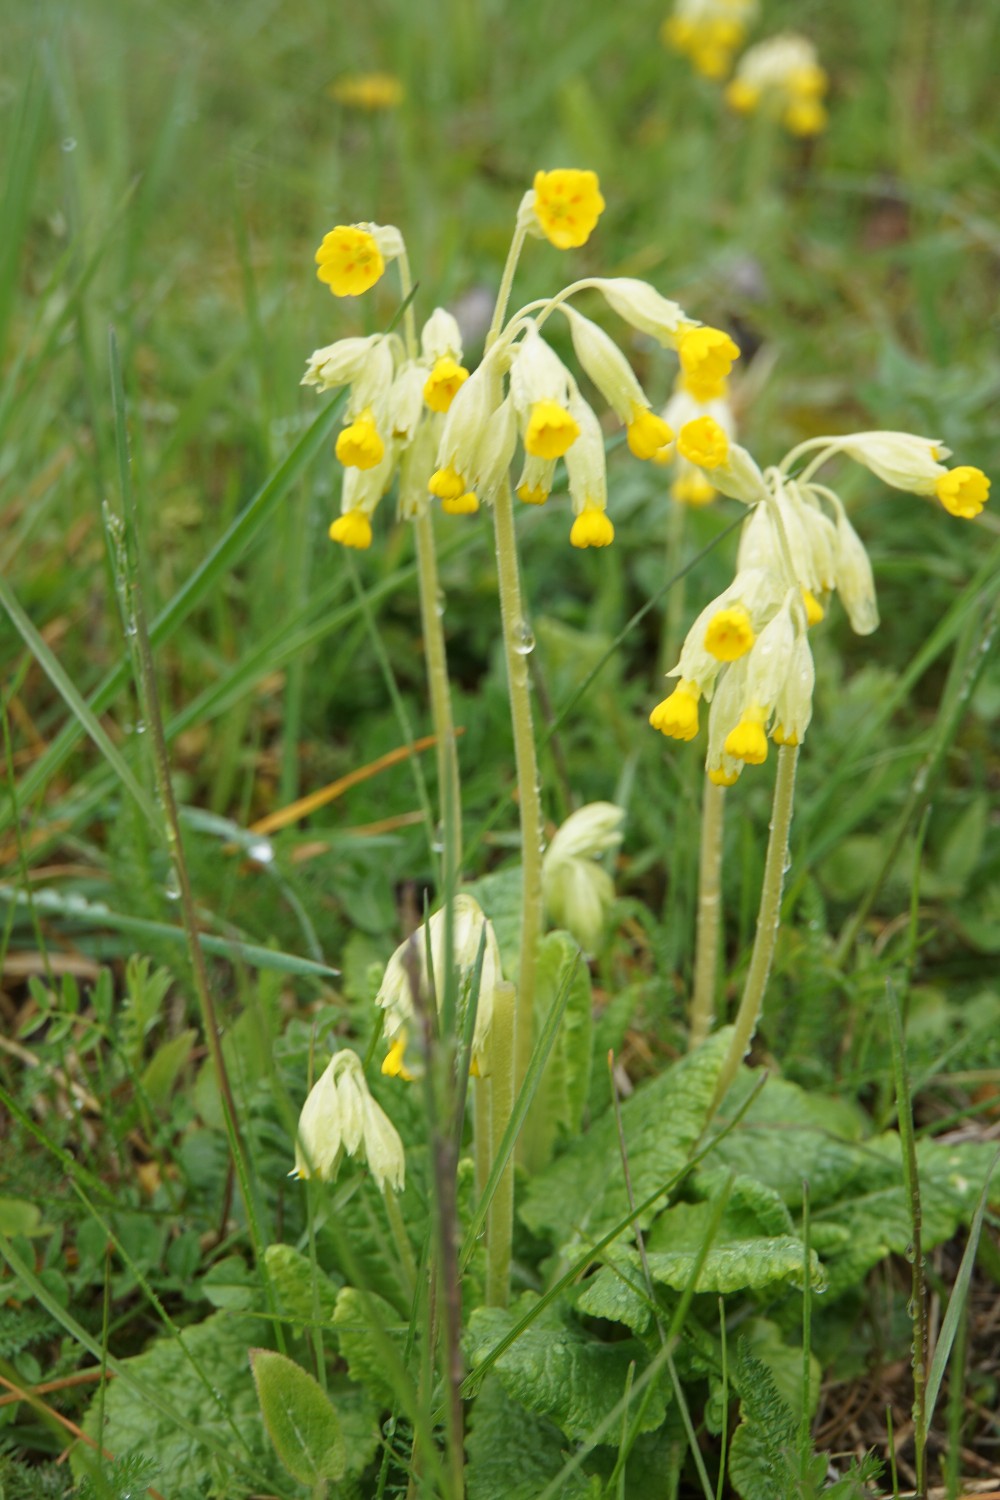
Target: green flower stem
point(514, 636)
point(449, 792)
point(401, 1240)
point(768, 918)
point(674, 613)
point(500, 1220)
point(506, 282)
point(713, 808)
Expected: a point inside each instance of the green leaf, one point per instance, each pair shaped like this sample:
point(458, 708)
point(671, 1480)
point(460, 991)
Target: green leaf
point(762, 1454)
point(512, 1454)
point(557, 1108)
point(218, 1409)
point(358, 1319)
point(299, 1418)
point(557, 1370)
point(583, 1191)
point(18, 1216)
point(499, 895)
point(165, 1067)
point(294, 1278)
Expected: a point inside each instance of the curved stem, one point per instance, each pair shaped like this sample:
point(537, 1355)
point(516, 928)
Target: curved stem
point(511, 613)
point(829, 445)
point(709, 912)
point(506, 282)
point(768, 920)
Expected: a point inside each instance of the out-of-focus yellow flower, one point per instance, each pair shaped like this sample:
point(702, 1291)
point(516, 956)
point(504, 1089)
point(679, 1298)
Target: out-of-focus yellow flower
point(703, 442)
point(442, 384)
point(709, 32)
point(370, 91)
point(566, 205)
point(352, 529)
point(782, 77)
point(963, 492)
point(707, 355)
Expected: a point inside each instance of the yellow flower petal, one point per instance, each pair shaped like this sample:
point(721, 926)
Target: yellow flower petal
point(568, 204)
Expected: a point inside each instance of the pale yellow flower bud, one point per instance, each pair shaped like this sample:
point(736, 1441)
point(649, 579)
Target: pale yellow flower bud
point(578, 891)
point(440, 337)
point(338, 364)
point(899, 459)
point(643, 307)
point(854, 577)
point(606, 366)
point(340, 1118)
point(406, 401)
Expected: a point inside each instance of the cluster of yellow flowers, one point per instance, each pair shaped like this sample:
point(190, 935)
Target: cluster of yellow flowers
point(780, 76)
point(452, 435)
point(747, 653)
point(709, 32)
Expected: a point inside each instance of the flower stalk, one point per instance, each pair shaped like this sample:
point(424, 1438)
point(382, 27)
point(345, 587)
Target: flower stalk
point(713, 808)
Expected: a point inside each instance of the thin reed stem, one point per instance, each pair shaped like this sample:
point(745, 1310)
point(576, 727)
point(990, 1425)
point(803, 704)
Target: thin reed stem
point(768, 919)
point(713, 808)
point(500, 1220)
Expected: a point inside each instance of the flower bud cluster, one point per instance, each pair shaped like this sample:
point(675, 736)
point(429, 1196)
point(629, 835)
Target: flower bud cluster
point(340, 1118)
point(709, 32)
point(782, 77)
point(747, 653)
point(579, 891)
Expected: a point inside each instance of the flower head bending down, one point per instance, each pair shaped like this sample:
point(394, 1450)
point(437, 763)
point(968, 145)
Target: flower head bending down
point(709, 32)
point(563, 207)
point(782, 77)
point(578, 891)
point(689, 484)
point(408, 967)
point(340, 1118)
point(588, 481)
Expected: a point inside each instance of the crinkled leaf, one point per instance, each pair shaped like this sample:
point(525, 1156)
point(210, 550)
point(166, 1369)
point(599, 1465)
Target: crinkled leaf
point(225, 1409)
point(513, 1455)
point(299, 1418)
point(557, 1108)
point(359, 1318)
point(558, 1370)
point(295, 1278)
point(583, 1191)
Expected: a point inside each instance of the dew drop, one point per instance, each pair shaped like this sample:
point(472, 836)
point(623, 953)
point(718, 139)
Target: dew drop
point(68, 144)
point(261, 851)
point(524, 641)
point(172, 887)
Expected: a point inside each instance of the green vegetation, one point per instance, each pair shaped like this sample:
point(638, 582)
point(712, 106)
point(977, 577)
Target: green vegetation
point(701, 1290)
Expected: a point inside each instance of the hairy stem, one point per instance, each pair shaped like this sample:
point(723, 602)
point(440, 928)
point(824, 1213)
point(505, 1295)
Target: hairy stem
point(514, 635)
point(500, 1220)
point(713, 808)
point(768, 919)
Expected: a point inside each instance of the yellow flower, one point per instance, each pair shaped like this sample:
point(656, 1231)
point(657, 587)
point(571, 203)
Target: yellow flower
point(648, 434)
point(461, 505)
point(532, 494)
point(692, 488)
point(592, 528)
point(805, 117)
point(747, 741)
point(742, 96)
point(367, 91)
point(718, 777)
point(393, 1064)
point(730, 634)
point(446, 484)
point(677, 715)
point(704, 443)
point(963, 492)
point(707, 356)
point(359, 446)
point(352, 529)
point(349, 260)
point(443, 383)
point(780, 737)
point(814, 611)
point(551, 430)
point(567, 205)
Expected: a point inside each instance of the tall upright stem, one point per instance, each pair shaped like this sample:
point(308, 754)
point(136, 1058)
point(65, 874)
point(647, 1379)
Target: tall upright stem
point(709, 911)
point(506, 282)
point(449, 795)
point(500, 1220)
point(768, 918)
point(514, 635)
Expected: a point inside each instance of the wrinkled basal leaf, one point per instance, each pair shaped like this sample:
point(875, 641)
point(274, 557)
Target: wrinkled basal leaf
point(299, 1418)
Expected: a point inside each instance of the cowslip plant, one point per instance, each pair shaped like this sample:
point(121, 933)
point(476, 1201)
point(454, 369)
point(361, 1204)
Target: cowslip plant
point(748, 654)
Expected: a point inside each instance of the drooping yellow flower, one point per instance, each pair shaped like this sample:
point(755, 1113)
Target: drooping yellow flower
point(782, 77)
point(814, 610)
point(447, 484)
point(359, 446)
point(551, 430)
point(352, 529)
point(443, 383)
point(370, 91)
point(461, 505)
point(963, 491)
point(349, 260)
point(567, 206)
point(704, 443)
point(748, 742)
point(532, 494)
point(648, 435)
point(592, 528)
point(677, 715)
point(692, 488)
point(730, 634)
point(707, 356)
point(394, 1063)
point(719, 777)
